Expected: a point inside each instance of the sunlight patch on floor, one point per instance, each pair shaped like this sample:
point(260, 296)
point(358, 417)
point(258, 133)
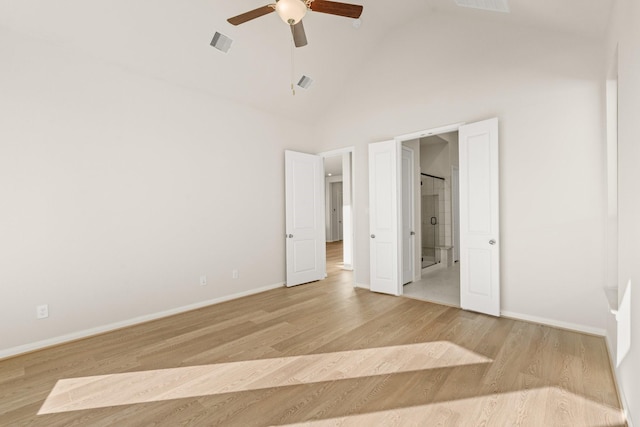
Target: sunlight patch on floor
point(176, 383)
point(529, 407)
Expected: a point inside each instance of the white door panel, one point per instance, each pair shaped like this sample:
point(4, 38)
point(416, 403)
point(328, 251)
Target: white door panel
point(407, 236)
point(479, 218)
point(455, 189)
point(340, 211)
point(305, 228)
point(384, 158)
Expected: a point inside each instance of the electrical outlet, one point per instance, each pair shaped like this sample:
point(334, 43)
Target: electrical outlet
point(235, 274)
point(203, 280)
point(42, 311)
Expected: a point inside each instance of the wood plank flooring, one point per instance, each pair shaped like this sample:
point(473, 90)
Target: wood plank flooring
point(318, 354)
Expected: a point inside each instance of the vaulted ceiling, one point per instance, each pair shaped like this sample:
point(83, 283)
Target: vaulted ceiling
point(169, 40)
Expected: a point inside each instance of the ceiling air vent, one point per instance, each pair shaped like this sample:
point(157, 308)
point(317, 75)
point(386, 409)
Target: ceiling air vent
point(305, 82)
point(221, 42)
point(490, 5)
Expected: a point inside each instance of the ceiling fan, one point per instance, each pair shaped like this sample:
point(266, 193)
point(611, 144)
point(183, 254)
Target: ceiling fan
point(292, 12)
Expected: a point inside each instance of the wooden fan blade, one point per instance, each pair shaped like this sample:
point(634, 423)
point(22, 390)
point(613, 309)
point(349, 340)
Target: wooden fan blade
point(336, 8)
point(299, 36)
point(248, 16)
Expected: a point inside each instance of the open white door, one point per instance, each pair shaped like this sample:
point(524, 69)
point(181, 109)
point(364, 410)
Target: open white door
point(305, 227)
point(384, 167)
point(408, 235)
point(479, 218)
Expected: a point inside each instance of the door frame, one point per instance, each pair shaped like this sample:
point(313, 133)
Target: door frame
point(410, 137)
point(349, 220)
point(488, 125)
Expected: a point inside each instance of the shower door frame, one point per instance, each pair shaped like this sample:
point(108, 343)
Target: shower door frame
point(436, 229)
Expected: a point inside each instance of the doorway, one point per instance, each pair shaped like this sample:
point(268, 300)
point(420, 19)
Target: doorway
point(308, 198)
point(339, 196)
point(479, 215)
point(439, 280)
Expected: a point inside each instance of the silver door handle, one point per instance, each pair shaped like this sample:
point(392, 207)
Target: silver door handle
point(492, 242)
point(412, 233)
point(373, 236)
point(290, 236)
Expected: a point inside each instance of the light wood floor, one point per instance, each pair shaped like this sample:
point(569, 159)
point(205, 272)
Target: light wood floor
point(317, 354)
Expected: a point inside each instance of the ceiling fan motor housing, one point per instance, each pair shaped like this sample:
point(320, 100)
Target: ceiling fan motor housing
point(291, 11)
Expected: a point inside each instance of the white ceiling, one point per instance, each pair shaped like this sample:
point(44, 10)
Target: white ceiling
point(169, 40)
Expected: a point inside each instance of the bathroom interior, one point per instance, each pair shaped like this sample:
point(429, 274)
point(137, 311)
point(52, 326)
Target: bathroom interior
point(439, 278)
point(431, 218)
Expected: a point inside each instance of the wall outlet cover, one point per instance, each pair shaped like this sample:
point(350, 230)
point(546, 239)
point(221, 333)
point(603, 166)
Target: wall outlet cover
point(42, 311)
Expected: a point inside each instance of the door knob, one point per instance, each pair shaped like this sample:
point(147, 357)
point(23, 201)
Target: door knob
point(412, 233)
point(492, 242)
point(373, 236)
point(291, 236)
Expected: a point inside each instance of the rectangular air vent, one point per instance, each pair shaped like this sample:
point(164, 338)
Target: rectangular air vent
point(305, 82)
point(490, 5)
point(221, 42)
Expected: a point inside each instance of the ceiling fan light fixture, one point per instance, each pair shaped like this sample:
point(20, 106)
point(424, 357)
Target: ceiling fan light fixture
point(291, 11)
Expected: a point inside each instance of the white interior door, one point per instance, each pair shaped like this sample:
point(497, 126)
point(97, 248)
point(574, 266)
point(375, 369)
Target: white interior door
point(455, 200)
point(347, 212)
point(479, 218)
point(408, 234)
point(305, 219)
point(336, 211)
point(384, 167)
point(339, 212)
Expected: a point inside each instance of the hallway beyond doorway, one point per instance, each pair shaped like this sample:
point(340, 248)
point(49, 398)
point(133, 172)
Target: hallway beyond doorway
point(335, 263)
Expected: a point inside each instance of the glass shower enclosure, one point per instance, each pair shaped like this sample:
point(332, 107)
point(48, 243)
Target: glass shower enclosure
point(432, 194)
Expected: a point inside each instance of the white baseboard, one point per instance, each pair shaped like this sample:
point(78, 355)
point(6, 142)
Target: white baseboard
point(621, 395)
point(625, 407)
point(361, 286)
point(26, 348)
point(555, 323)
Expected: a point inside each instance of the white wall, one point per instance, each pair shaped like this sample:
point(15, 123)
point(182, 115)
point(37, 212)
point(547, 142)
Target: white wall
point(434, 157)
point(545, 89)
point(118, 191)
point(624, 35)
